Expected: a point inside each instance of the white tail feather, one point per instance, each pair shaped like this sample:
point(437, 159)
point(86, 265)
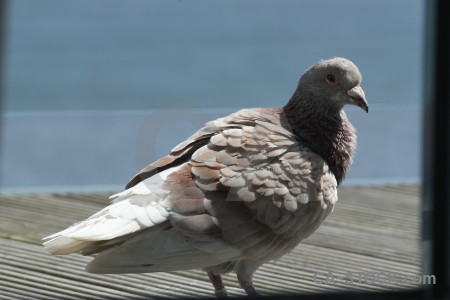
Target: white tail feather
point(63, 245)
point(135, 209)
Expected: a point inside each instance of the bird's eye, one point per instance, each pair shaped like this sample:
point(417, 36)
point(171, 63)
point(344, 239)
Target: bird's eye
point(331, 79)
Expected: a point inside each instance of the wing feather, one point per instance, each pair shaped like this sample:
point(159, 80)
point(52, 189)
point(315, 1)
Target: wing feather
point(133, 210)
point(239, 188)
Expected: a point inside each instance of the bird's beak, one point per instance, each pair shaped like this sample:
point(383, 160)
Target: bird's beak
point(358, 97)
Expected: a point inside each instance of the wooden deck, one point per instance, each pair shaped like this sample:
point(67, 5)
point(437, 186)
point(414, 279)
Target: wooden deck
point(373, 230)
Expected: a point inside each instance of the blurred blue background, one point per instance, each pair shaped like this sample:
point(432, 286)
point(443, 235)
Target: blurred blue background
point(95, 90)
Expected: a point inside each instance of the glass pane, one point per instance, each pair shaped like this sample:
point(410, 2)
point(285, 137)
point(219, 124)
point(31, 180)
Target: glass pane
point(95, 91)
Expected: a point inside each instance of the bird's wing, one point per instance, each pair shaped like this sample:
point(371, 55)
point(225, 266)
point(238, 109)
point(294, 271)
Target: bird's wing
point(250, 191)
point(193, 237)
point(265, 191)
point(263, 160)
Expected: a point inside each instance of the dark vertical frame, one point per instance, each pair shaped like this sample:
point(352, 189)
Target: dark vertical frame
point(436, 141)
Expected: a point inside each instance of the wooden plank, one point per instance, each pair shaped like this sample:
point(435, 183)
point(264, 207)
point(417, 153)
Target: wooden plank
point(372, 230)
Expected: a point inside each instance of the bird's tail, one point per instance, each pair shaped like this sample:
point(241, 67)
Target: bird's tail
point(132, 210)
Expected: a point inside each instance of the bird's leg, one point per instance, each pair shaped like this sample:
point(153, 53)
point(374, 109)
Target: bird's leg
point(219, 288)
point(247, 285)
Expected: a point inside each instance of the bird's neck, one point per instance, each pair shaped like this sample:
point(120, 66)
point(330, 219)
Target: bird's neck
point(327, 132)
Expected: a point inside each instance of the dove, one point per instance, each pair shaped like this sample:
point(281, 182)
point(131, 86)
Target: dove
point(244, 189)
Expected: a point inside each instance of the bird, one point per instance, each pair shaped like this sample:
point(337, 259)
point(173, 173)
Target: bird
point(243, 190)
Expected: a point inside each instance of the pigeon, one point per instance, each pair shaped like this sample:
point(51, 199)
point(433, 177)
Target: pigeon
point(241, 191)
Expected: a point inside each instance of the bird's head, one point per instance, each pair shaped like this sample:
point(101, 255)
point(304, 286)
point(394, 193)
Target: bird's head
point(333, 83)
